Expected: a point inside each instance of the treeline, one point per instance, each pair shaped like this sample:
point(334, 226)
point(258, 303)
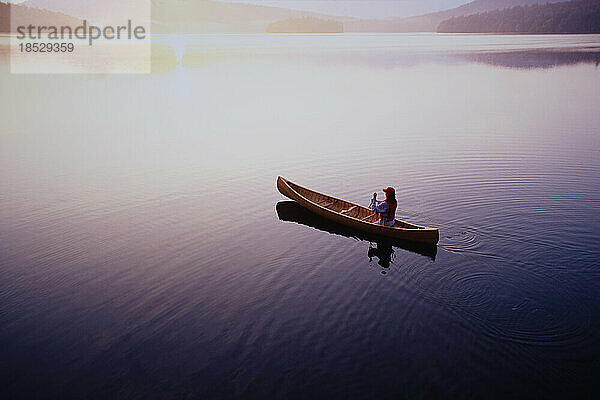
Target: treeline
point(306, 25)
point(577, 16)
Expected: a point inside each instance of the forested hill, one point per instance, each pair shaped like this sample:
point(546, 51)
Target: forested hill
point(429, 22)
point(577, 16)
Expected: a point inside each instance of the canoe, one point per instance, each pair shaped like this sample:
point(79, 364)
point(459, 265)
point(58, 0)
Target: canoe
point(353, 215)
point(290, 211)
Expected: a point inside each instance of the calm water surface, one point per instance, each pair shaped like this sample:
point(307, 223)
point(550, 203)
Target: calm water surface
point(145, 251)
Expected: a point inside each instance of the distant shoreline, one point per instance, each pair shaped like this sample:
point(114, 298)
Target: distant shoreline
point(9, 34)
point(477, 17)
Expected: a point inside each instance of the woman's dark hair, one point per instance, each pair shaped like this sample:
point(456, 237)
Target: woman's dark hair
point(390, 197)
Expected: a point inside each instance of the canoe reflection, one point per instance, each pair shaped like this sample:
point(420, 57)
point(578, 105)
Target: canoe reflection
point(293, 212)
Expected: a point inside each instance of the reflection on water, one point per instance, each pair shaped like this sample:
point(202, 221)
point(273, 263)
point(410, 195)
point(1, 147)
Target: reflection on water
point(140, 255)
point(536, 59)
point(511, 59)
point(385, 50)
point(293, 212)
point(169, 52)
point(384, 252)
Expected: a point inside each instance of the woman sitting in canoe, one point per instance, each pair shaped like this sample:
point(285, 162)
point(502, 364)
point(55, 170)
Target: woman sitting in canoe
point(385, 209)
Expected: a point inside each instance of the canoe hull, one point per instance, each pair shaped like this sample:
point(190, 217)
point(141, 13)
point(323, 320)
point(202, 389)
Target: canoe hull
point(418, 233)
point(291, 211)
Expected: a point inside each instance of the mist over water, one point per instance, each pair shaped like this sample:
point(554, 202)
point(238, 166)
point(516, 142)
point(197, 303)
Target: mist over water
point(144, 250)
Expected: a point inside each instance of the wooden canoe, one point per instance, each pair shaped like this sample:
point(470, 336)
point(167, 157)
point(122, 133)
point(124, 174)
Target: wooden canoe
point(353, 215)
point(290, 211)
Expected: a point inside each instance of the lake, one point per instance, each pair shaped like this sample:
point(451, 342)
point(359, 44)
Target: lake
point(146, 253)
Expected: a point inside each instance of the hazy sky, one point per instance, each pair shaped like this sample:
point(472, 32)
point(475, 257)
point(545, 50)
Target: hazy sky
point(363, 8)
